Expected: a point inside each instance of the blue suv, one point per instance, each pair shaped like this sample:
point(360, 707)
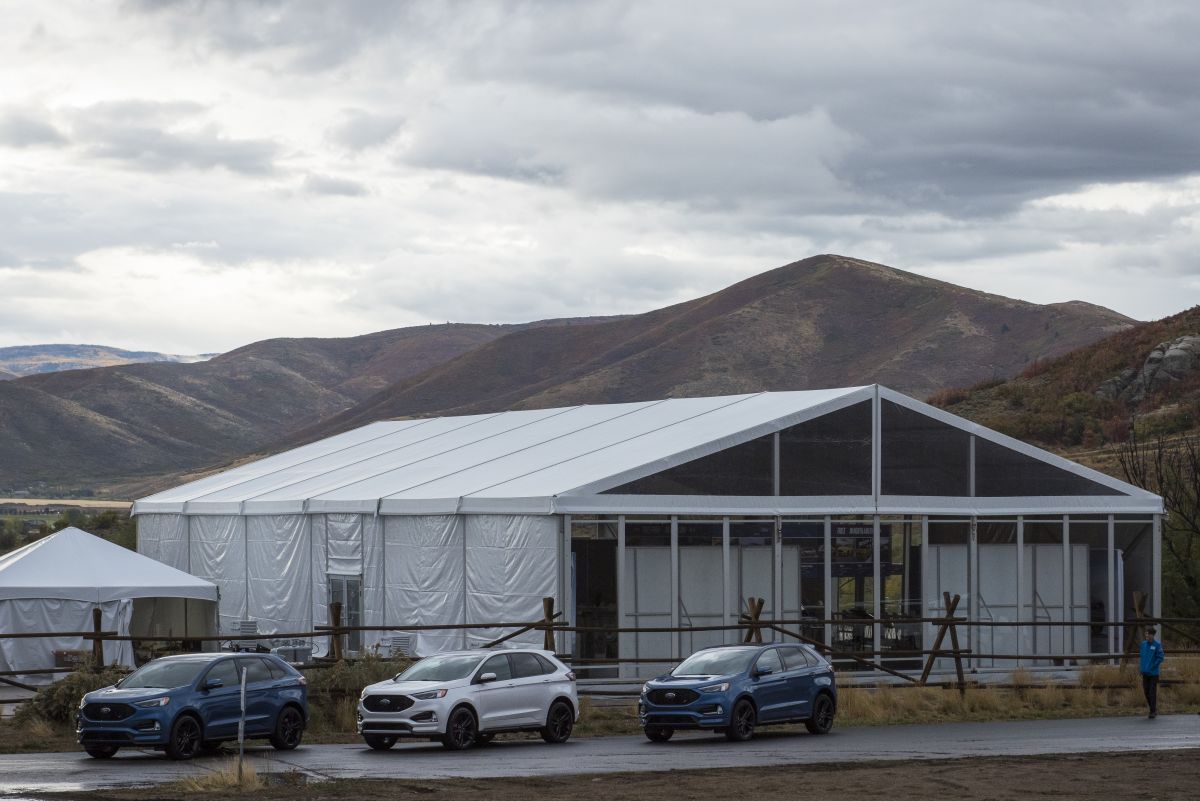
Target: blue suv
point(185, 704)
point(733, 689)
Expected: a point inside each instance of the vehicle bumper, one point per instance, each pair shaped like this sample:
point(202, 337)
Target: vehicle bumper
point(422, 719)
point(146, 727)
point(703, 713)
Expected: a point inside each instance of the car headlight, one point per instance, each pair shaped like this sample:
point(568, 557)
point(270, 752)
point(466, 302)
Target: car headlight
point(363, 695)
point(645, 688)
point(429, 695)
point(166, 699)
point(716, 688)
point(83, 702)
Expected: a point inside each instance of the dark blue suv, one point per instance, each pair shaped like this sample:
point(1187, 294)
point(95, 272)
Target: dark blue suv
point(185, 704)
point(733, 689)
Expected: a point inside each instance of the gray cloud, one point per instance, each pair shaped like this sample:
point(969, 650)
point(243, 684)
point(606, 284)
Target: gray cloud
point(20, 128)
point(360, 130)
point(148, 136)
point(330, 185)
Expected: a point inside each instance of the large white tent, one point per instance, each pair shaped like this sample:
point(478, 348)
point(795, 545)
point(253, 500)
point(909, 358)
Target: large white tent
point(475, 518)
point(53, 584)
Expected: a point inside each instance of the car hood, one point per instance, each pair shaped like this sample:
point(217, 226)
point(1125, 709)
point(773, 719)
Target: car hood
point(389, 687)
point(689, 681)
point(127, 696)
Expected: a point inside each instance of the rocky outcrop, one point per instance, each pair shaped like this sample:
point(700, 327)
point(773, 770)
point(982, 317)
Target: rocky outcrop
point(1168, 363)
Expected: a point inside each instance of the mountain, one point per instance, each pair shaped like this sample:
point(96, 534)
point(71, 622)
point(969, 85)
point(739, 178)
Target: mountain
point(161, 418)
point(32, 359)
point(7, 376)
point(1149, 374)
point(825, 321)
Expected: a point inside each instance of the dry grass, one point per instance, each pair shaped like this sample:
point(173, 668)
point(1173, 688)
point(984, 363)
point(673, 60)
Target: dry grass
point(221, 780)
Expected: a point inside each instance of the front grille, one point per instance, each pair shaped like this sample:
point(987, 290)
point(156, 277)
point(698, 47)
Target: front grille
point(672, 697)
point(372, 725)
point(107, 711)
point(676, 721)
point(109, 737)
point(387, 703)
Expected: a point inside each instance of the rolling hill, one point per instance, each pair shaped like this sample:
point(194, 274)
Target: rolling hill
point(24, 360)
point(825, 321)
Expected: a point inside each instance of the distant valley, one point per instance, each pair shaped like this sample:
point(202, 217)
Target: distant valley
point(23, 360)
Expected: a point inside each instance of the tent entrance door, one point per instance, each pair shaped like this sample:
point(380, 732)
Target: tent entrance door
point(347, 590)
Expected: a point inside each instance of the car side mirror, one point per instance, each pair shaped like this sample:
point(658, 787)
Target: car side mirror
point(486, 677)
point(213, 684)
point(764, 671)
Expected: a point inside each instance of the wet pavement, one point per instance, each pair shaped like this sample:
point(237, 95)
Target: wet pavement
point(23, 774)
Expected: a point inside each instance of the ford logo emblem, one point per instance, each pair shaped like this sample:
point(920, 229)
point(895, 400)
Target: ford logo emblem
point(104, 710)
point(670, 696)
point(386, 702)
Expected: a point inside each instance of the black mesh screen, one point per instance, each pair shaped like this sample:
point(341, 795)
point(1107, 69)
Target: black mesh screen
point(922, 456)
point(829, 455)
point(1002, 472)
point(744, 469)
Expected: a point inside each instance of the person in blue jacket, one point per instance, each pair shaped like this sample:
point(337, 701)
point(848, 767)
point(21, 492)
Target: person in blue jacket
point(1151, 657)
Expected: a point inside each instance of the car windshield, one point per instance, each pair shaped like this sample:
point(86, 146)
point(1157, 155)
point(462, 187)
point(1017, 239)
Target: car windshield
point(441, 668)
point(163, 675)
point(716, 662)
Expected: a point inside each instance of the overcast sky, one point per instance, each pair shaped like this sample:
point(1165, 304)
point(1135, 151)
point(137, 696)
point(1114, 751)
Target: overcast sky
point(192, 176)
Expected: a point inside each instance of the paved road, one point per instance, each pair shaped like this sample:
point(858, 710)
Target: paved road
point(74, 771)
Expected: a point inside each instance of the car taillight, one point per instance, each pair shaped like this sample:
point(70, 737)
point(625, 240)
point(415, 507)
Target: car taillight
point(570, 675)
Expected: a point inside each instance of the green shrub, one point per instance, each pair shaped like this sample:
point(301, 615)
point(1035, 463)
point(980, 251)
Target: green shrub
point(59, 701)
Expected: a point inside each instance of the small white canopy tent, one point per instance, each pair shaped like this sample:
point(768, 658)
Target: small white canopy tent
point(53, 585)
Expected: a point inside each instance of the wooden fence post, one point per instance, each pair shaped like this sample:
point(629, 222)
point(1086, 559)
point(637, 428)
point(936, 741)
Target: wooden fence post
point(548, 619)
point(1133, 634)
point(335, 635)
point(97, 643)
point(755, 607)
point(958, 667)
point(951, 605)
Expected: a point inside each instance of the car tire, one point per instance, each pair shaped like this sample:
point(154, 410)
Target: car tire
point(461, 730)
point(741, 722)
point(822, 715)
point(380, 742)
point(659, 734)
point(185, 738)
point(101, 751)
point(289, 729)
point(560, 721)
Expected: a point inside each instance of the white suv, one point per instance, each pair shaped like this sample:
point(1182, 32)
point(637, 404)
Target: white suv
point(464, 698)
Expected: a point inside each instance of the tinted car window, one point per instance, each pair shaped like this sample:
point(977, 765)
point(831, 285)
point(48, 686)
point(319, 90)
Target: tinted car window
point(794, 658)
point(769, 659)
point(225, 671)
point(163, 674)
point(812, 658)
point(547, 665)
point(256, 669)
point(525, 665)
point(278, 671)
point(498, 665)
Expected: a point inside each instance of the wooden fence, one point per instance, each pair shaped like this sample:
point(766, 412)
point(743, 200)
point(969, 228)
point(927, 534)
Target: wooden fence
point(751, 628)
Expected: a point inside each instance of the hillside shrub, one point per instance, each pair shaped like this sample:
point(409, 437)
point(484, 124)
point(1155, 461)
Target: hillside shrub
point(59, 701)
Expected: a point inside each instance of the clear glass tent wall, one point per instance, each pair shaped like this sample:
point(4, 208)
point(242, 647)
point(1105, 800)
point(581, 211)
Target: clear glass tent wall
point(862, 581)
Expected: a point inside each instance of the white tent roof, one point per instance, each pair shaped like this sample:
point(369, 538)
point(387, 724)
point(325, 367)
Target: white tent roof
point(540, 461)
point(75, 565)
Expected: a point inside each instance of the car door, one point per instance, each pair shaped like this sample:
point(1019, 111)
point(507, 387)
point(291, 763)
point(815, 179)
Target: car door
point(219, 707)
point(260, 710)
point(770, 686)
point(531, 689)
point(799, 668)
point(494, 700)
